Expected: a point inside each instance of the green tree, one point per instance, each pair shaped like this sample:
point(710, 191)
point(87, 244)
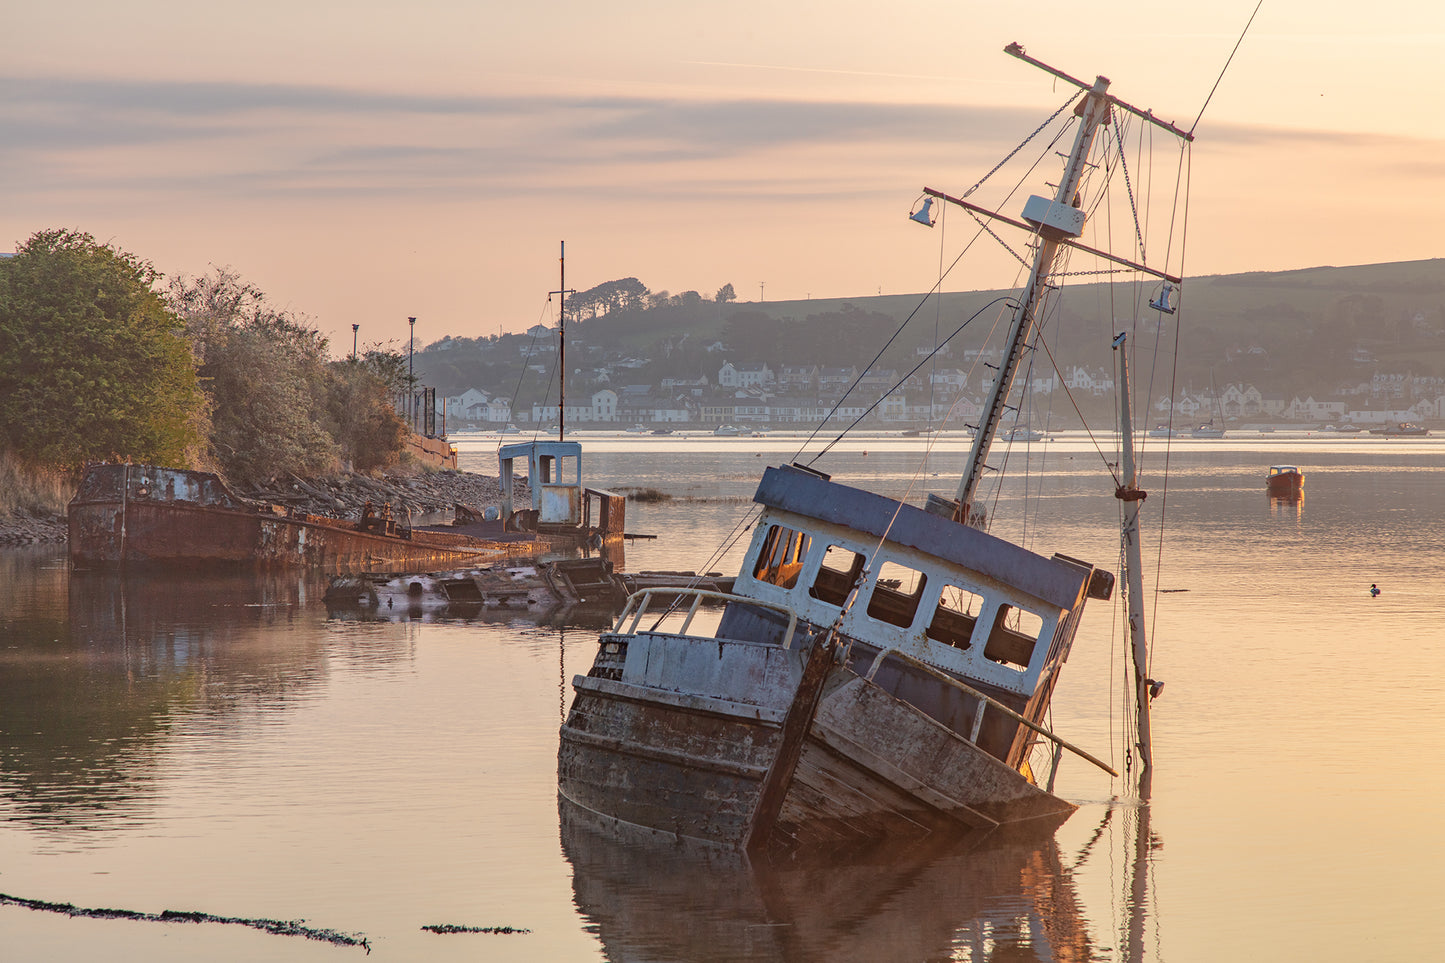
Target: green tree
point(278, 403)
point(92, 364)
point(263, 371)
point(360, 415)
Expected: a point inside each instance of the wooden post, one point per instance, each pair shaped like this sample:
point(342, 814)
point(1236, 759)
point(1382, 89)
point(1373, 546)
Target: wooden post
point(1131, 496)
point(796, 725)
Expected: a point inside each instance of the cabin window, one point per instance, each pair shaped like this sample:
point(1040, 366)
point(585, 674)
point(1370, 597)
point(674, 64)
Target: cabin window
point(1012, 638)
point(567, 470)
point(781, 557)
point(953, 620)
point(895, 594)
point(836, 575)
point(545, 469)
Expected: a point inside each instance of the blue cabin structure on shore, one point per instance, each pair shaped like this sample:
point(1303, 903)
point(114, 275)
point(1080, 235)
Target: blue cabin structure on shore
point(560, 502)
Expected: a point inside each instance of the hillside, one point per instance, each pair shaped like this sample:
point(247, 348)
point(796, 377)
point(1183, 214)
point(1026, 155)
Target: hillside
point(1304, 331)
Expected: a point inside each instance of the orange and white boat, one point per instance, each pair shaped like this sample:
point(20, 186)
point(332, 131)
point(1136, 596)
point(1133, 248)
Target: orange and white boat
point(1285, 481)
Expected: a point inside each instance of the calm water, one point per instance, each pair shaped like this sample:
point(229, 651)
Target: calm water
point(225, 745)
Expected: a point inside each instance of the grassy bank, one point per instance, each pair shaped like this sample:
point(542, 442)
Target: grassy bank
point(29, 490)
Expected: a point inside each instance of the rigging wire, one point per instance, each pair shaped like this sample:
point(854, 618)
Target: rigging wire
point(1164, 496)
point(911, 371)
point(936, 289)
point(526, 360)
point(937, 315)
point(1228, 60)
point(1073, 95)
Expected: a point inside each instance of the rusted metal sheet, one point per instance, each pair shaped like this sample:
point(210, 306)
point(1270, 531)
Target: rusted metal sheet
point(145, 514)
point(611, 516)
point(561, 505)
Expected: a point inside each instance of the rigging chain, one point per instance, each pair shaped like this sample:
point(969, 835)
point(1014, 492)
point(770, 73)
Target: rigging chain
point(1052, 117)
point(1129, 187)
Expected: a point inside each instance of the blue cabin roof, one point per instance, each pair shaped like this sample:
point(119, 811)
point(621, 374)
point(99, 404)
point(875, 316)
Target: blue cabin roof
point(806, 493)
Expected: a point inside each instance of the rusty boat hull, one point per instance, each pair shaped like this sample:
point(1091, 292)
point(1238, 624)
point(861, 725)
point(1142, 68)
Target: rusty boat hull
point(144, 514)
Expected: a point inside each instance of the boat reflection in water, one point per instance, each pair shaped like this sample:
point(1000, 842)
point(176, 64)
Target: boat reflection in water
point(1285, 506)
point(1002, 900)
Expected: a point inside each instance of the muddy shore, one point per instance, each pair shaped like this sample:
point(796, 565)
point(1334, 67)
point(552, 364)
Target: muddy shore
point(343, 496)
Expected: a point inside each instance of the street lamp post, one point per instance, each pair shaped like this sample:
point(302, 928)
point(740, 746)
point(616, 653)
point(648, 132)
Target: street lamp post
point(410, 379)
point(354, 328)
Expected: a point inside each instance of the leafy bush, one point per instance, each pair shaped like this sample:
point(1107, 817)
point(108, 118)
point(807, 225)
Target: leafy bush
point(92, 365)
point(277, 403)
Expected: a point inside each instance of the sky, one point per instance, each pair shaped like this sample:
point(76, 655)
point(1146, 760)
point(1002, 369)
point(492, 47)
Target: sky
point(363, 162)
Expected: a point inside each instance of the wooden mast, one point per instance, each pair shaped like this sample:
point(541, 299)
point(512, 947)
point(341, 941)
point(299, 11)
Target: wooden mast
point(1131, 496)
point(562, 293)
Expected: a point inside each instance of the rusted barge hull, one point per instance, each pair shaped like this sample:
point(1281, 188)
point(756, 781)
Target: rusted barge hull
point(125, 514)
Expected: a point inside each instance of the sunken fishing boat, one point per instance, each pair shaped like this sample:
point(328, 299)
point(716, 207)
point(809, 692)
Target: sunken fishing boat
point(880, 670)
point(528, 588)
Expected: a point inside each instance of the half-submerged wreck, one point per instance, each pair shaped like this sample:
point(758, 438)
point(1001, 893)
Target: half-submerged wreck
point(880, 670)
point(526, 589)
point(133, 514)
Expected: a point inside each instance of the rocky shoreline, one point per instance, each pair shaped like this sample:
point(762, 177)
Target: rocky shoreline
point(343, 496)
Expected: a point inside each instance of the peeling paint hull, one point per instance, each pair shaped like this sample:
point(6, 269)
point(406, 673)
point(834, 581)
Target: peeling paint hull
point(818, 717)
point(684, 765)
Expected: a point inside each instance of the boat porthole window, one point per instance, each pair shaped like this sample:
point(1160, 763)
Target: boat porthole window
point(954, 618)
point(896, 592)
point(1013, 636)
point(780, 560)
point(836, 575)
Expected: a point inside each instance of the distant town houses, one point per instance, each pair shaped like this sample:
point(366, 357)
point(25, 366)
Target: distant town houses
point(1311, 410)
point(797, 376)
point(798, 394)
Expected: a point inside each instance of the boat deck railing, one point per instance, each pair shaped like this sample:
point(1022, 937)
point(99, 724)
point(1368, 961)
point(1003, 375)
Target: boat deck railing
point(985, 700)
point(639, 603)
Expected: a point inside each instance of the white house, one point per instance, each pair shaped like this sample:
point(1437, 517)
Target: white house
point(1237, 400)
point(1311, 410)
point(470, 405)
point(744, 375)
point(498, 410)
point(1082, 381)
point(604, 405)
